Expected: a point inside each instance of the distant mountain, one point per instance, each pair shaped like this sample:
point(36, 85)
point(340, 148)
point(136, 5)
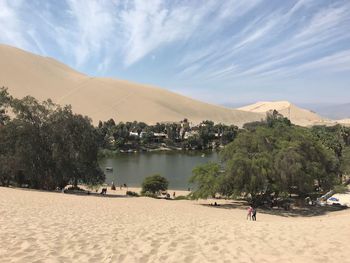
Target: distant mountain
point(335, 111)
point(104, 98)
point(297, 115)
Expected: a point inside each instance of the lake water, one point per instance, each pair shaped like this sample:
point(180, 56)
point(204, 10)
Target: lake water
point(177, 167)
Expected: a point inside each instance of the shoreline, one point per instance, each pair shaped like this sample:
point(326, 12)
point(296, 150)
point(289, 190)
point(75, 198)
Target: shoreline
point(106, 153)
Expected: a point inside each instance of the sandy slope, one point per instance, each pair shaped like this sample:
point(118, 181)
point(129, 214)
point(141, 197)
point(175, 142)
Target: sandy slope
point(101, 98)
point(345, 122)
point(54, 227)
point(297, 115)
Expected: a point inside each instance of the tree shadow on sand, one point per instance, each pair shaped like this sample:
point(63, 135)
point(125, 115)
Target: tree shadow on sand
point(306, 211)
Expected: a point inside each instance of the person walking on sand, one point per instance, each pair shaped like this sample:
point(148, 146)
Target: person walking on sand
point(249, 215)
point(254, 214)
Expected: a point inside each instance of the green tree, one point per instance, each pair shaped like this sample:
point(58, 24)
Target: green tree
point(46, 146)
point(206, 177)
point(147, 136)
point(9, 164)
point(173, 131)
point(274, 118)
point(206, 133)
point(228, 134)
point(275, 159)
point(154, 184)
point(345, 164)
point(5, 100)
point(74, 148)
point(193, 142)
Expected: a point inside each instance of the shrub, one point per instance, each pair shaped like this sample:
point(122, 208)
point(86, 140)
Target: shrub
point(75, 188)
point(148, 194)
point(154, 184)
point(131, 193)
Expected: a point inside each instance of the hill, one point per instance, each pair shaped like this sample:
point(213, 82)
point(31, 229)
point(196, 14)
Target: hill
point(103, 98)
point(297, 115)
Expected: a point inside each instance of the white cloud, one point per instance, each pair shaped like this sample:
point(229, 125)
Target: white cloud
point(148, 25)
point(306, 42)
point(95, 26)
point(215, 40)
point(336, 62)
point(10, 24)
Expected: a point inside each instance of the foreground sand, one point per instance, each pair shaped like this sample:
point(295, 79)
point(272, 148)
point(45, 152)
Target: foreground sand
point(54, 227)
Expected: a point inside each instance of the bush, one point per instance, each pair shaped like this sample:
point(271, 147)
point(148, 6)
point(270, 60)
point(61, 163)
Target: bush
point(154, 184)
point(75, 188)
point(148, 194)
point(131, 193)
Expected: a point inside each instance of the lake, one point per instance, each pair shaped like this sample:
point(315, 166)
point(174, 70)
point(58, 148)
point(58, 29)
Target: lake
point(177, 167)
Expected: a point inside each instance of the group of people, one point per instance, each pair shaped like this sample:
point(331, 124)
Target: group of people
point(251, 213)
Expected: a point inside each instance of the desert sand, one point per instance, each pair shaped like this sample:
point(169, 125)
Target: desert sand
point(40, 226)
point(345, 122)
point(25, 74)
point(103, 98)
point(299, 116)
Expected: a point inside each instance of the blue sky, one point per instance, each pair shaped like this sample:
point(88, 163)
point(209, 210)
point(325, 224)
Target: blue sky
point(217, 51)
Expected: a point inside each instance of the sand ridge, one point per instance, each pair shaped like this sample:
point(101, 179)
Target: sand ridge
point(104, 98)
point(55, 227)
point(299, 116)
point(25, 74)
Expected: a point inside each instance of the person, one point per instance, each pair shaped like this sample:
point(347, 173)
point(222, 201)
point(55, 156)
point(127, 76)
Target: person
point(174, 194)
point(104, 191)
point(113, 186)
point(249, 215)
point(254, 214)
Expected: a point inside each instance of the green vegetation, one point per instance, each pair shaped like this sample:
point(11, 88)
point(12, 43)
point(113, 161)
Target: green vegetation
point(138, 136)
point(208, 180)
point(337, 139)
point(341, 189)
point(270, 159)
point(154, 184)
point(46, 146)
point(131, 193)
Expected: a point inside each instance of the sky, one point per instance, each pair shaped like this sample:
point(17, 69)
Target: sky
point(223, 52)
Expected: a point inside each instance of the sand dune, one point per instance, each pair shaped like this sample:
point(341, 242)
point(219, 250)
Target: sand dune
point(345, 122)
point(53, 227)
point(102, 98)
point(297, 115)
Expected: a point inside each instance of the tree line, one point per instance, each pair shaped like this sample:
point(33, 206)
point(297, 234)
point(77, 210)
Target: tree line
point(182, 135)
point(46, 146)
point(273, 159)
